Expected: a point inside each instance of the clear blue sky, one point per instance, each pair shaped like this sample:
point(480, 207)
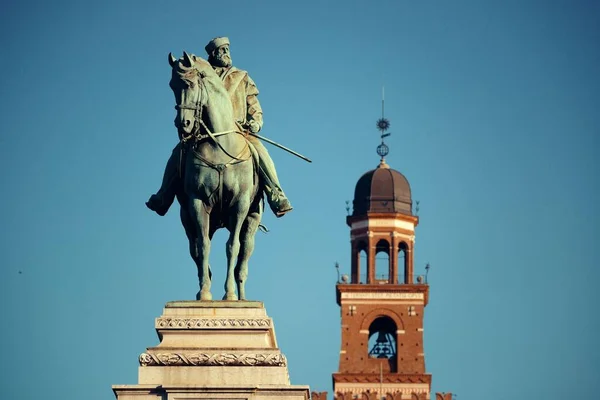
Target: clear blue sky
point(495, 113)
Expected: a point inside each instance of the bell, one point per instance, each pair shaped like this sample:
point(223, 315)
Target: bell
point(383, 346)
point(381, 338)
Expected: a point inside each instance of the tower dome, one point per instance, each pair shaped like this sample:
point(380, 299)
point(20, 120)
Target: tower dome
point(382, 190)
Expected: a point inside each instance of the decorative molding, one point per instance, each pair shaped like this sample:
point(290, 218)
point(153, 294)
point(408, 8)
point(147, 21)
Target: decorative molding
point(195, 323)
point(403, 380)
point(220, 359)
point(388, 302)
point(383, 223)
point(383, 295)
point(359, 389)
point(375, 379)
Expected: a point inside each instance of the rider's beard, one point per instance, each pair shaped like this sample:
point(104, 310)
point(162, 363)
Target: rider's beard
point(222, 60)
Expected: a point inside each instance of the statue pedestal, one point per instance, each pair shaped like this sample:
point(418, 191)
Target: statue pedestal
point(213, 350)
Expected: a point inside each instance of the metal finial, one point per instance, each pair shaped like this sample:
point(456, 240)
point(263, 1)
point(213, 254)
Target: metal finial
point(383, 125)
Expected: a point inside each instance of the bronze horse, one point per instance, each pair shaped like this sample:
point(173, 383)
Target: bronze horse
point(220, 180)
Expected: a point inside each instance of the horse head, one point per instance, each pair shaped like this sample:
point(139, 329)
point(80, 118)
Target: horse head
point(188, 85)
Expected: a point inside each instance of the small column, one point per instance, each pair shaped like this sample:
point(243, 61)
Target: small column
point(408, 273)
point(394, 260)
point(371, 260)
point(355, 264)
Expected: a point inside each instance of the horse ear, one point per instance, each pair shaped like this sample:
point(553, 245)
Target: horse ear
point(187, 58)
point(172, 59)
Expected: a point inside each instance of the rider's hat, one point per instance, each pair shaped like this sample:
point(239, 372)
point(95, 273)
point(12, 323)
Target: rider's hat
point(215, 44)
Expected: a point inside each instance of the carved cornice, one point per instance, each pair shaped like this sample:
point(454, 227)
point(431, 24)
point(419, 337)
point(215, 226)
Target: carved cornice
point(222, 359)
point(204, 323)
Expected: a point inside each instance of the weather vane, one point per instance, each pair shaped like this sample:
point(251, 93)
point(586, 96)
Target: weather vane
point(383, 125)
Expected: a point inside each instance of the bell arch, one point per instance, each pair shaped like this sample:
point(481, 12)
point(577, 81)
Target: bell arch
point(383, 340)
point(381, 312)
point(359, 261)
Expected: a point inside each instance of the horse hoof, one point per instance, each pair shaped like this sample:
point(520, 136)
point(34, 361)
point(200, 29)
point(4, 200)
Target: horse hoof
point(230, 296)
point(205, 296)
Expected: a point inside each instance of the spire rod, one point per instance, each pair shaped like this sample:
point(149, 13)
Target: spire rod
point(382, 102)
point(383, 125)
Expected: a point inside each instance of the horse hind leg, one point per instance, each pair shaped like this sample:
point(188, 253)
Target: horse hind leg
point(247, 237)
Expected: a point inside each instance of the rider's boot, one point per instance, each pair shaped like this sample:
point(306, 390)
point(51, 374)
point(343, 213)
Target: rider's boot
point(161, 201)
point(158, 204)
point(278, 201)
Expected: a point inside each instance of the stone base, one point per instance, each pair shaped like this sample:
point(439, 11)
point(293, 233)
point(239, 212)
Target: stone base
point(209, 376)
point(265, 392)
point(213, 350)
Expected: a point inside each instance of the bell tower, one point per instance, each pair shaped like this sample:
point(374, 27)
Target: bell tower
point(381, 303)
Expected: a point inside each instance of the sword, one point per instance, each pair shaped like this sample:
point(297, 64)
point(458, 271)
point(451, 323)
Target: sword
point(280, 146)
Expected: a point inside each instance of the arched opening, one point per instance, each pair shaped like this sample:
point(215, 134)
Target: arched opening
point(402, 263)
point(362, 259)
point(382, 261)
point(382, 340)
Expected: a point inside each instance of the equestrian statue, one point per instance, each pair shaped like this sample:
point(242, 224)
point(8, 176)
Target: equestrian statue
point(219, 170)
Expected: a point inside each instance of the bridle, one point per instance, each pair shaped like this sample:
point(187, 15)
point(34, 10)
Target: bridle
point(196, 136)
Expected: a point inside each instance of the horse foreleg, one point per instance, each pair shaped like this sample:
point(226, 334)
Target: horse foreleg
point(236, 222)
point(189, 226)
point(247, 236)
point(201, 217)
